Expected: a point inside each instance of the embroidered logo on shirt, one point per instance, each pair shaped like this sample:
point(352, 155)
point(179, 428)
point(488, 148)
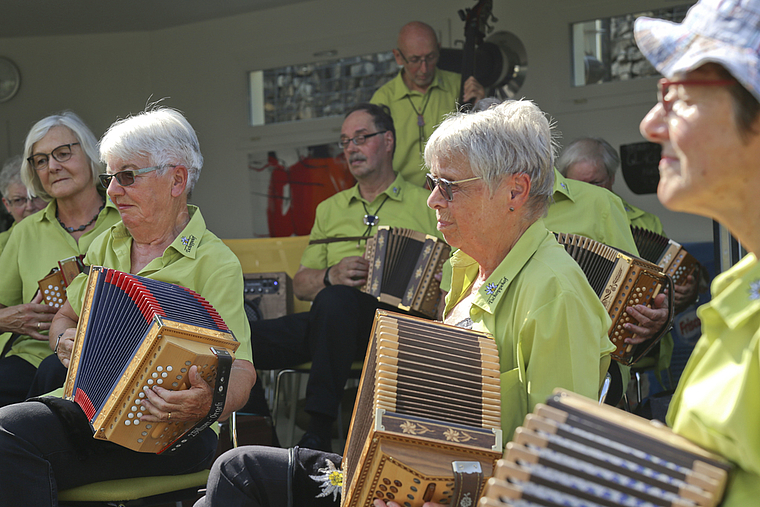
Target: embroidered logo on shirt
point(331, 480)
point(494, 289)
point(188, 242)
point(754, 290)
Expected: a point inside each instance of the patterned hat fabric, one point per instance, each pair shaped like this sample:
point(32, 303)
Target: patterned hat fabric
point(726, 32)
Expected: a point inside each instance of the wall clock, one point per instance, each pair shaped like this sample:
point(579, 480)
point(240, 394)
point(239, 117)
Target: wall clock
point(10, 79)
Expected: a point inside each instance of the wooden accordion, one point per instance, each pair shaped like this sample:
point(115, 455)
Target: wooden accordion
point(134, 333)
point(620, 280)
point(428, 404)
point(402, 265)
point(674, 260)
point(573, 451)
point(53, 286)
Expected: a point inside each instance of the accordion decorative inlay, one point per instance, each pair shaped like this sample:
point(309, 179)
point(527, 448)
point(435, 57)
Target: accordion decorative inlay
point(134, 333)
point(573, 451)
point(428, 397)
point(402, 264)
point(674, 260)
point(620, 280)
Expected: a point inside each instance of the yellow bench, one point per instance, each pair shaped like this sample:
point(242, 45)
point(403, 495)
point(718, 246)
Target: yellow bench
point(272, 255)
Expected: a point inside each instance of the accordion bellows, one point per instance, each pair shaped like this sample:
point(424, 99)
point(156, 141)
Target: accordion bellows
point(402, 265)
point(429, 395)
point(674, 260)
point(619, 280)
point(134, 333)
point(573, 451)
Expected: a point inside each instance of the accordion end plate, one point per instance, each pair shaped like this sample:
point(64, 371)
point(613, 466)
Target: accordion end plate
point(498, 444)
point(379, 413)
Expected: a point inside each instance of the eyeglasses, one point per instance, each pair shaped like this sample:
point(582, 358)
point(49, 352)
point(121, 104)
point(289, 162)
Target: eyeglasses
point(445, 185)
point(125, 178)
point(358, 140)
point(40, 160)
point(417, 60)
point(666, 98)
point(20, 202)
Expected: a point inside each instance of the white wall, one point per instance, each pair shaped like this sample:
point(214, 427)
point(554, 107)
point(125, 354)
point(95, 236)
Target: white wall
point(202, 70)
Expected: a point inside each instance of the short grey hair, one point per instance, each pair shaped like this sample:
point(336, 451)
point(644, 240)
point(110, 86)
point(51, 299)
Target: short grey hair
point(512, 137)
point(10, 174)
point(162, 134)
point(594, 150)
point(87, 141)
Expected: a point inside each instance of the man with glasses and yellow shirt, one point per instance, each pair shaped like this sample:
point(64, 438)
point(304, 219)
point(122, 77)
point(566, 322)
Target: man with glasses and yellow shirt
point(335, 331)
point(419, 96)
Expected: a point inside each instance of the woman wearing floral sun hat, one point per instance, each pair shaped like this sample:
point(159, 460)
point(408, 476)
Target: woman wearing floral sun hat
point(707, 120)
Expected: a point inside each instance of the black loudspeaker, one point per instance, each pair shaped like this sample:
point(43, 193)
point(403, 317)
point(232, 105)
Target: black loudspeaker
point(268, 295)
point(639, 163)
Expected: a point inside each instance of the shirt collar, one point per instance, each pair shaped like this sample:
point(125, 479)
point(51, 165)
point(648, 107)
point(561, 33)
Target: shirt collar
point(186, 243)
point(494, 288)
point(48, 213)
point(400, 90)
point(736, 293)
point(395, 191)
point(562, 188)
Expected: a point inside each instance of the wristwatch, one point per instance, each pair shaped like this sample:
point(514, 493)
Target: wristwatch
point(326, 279)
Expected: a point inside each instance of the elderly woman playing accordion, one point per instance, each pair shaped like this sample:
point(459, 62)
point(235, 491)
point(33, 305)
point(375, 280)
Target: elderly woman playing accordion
point(153, 161)
point(491, 179)
point(707, 121)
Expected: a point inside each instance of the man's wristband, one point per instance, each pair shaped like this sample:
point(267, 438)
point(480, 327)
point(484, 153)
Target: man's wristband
point(326, 279)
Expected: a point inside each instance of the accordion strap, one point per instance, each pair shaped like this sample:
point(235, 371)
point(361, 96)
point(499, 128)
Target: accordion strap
point(336, 240)
point(468, 479)
point(223, 369)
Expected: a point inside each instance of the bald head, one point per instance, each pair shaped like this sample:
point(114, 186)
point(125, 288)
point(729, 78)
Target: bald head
point(416, 31)
point(417, 52)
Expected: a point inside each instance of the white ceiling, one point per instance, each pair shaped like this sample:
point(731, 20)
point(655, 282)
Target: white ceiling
point(21, 18)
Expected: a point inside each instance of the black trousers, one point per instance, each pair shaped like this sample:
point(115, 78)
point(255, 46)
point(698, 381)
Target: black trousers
point(50, 375)
point(16, 376)
point(256, 476)
point(41, 455)
point(332, 335)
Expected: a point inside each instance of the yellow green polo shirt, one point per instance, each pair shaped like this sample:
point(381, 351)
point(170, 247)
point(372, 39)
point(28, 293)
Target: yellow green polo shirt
point(37, 244)
point(440, 98)
point(4, 236)
point(342, 216)
point(549, 325)
point(196, 259)
point(591, 211)
point(717, 404)
point(641, 218)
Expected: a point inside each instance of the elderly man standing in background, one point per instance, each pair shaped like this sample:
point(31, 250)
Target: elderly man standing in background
point(420, 95)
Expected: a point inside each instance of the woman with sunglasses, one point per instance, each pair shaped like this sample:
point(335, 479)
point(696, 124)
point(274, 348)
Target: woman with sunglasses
point(707, 121)
point(491, 180)
point(153, 161)
point(60, 166)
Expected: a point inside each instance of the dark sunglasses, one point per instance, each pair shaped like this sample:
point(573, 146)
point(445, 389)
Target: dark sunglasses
point(125, 178)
